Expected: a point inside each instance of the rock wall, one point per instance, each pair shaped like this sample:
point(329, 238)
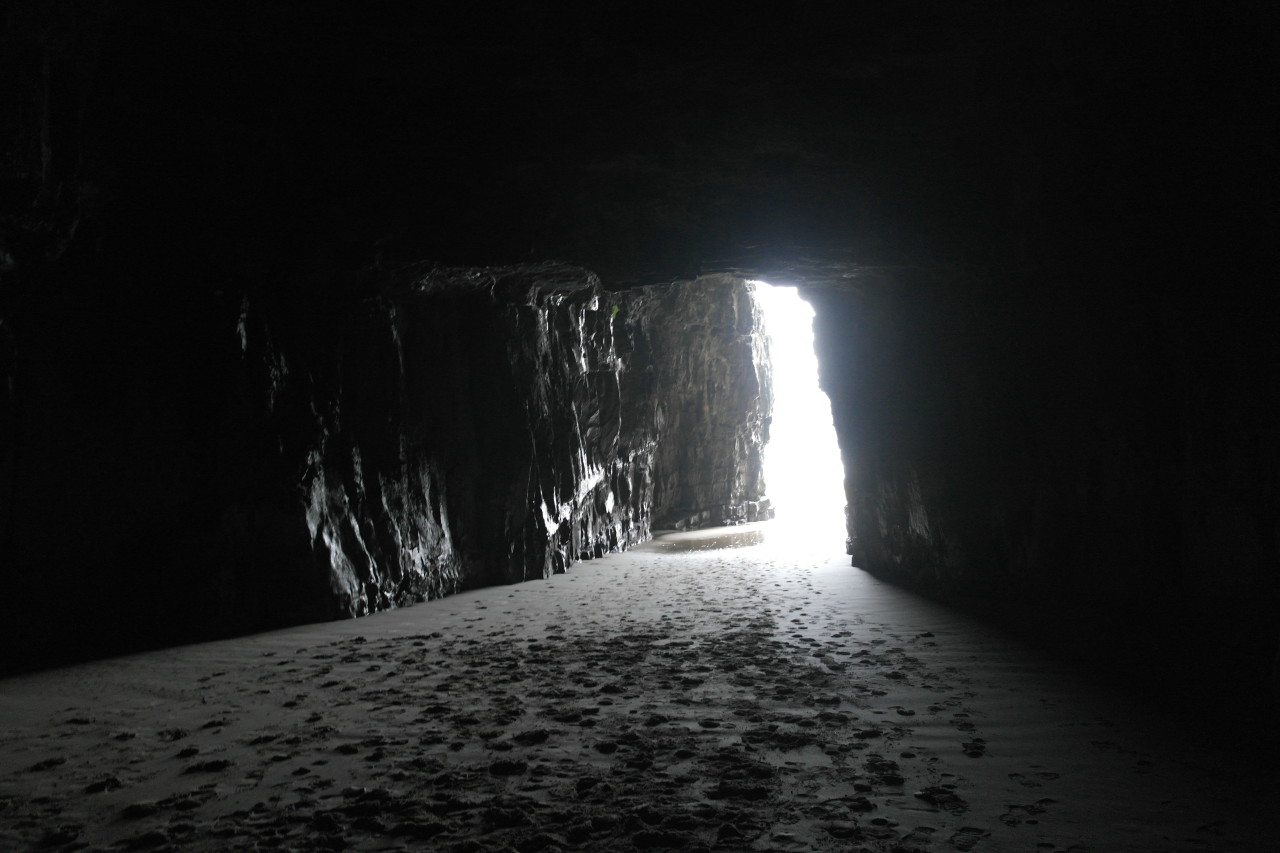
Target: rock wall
point(1062, 390)
point(456, 428)
point(1091, 475)
point(700, 366)
point(500, 390)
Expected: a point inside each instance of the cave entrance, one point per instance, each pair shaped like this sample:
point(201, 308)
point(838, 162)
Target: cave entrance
point(804, 474)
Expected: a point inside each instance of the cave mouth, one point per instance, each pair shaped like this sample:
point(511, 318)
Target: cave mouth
point(803, 471)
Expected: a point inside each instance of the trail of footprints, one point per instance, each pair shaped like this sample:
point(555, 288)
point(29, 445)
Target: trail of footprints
point(751, 720)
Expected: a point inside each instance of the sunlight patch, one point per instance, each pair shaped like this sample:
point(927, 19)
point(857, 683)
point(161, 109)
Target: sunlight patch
point(804, 476)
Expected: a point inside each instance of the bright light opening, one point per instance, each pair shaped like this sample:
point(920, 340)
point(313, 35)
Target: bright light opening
point(804, 476)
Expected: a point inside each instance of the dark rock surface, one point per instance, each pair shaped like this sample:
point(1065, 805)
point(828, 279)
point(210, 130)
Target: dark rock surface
point(463, 427)
point(538, 421)
point(1076, 483)
point(1040, 239)
point(698, 369)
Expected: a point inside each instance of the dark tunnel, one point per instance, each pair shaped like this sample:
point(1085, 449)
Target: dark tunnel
point(315, 311)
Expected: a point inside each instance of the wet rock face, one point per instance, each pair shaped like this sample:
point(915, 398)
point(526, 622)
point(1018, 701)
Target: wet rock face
point(699, 370)
point(490, 426)
point(306, 458)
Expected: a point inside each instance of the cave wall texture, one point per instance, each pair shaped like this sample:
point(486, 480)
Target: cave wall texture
point(1040, 239)
point(463, 427)
point(477, 426)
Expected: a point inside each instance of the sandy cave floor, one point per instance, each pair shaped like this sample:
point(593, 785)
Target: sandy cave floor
point(748, 698)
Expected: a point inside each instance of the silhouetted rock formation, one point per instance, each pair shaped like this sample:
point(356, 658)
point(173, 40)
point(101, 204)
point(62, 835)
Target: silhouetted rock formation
point(1077, 461)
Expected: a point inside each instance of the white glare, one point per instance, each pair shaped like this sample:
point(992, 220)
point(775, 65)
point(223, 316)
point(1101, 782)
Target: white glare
point(803, 474)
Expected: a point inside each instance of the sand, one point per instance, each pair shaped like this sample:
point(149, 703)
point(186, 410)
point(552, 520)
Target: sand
point(743, 698)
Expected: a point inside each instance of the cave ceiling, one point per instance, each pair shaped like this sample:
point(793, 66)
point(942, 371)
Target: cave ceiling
point(815, 143)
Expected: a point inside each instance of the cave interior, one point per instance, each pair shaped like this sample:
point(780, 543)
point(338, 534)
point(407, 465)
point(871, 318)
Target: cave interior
point(309, 311)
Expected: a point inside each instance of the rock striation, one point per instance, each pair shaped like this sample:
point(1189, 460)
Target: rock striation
point(479, 426)
point(304, 458)
point(700, 375)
